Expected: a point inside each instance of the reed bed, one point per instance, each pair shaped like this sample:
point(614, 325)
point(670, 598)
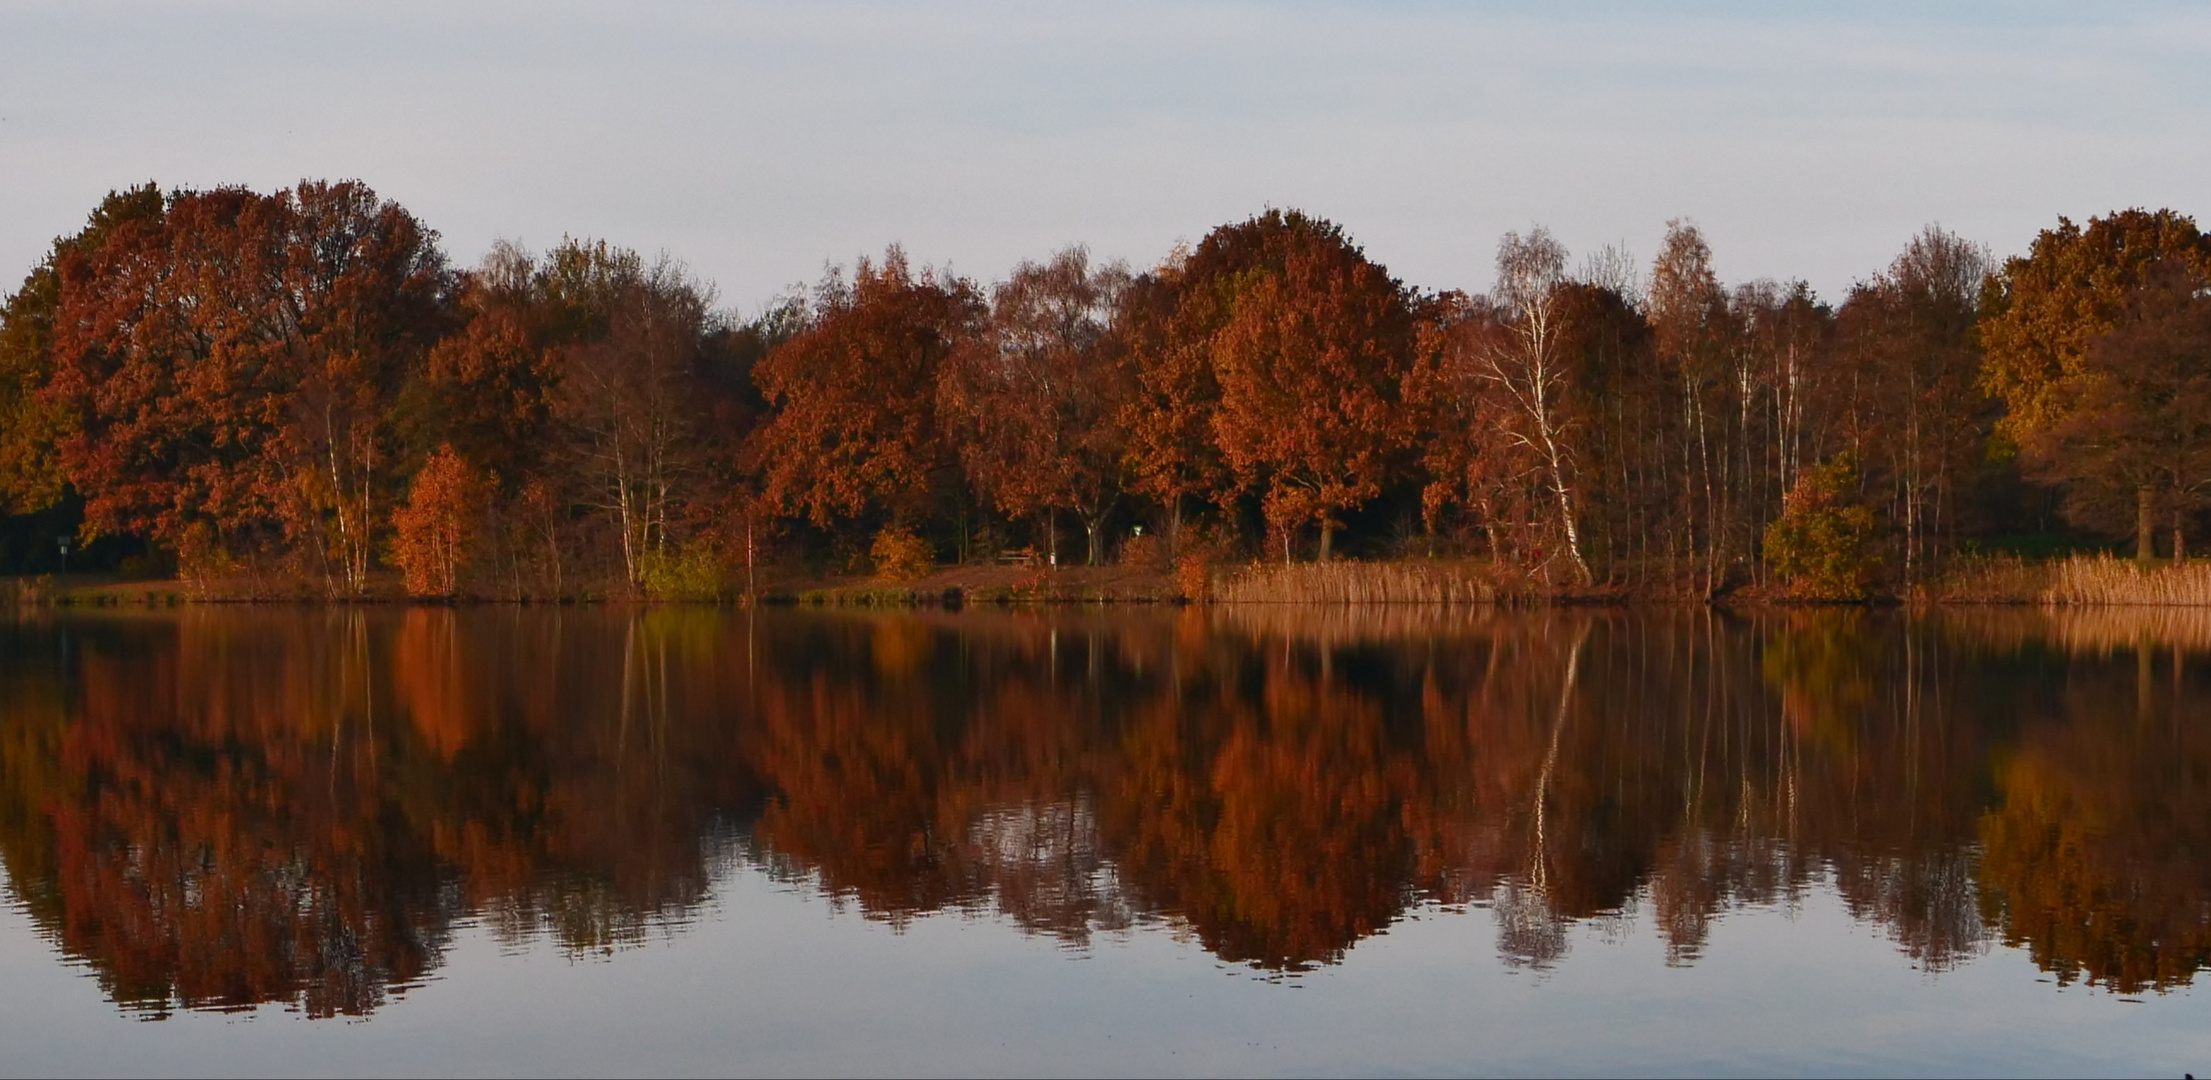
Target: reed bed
point(2101, 579)
point(2002, 579)
point(2076, 581)
point(1355, 583)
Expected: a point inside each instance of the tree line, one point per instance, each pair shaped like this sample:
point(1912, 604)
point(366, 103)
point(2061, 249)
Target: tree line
point(302, 383)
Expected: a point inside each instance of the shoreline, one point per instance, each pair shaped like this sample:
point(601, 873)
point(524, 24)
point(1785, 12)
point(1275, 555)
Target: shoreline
point(881, 597)
point(2076, 581)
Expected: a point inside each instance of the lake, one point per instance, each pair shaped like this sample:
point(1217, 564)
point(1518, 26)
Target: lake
point(1081, 840)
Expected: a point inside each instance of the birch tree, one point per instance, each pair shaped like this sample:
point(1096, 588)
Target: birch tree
point(1528, 365)
point(629, 393)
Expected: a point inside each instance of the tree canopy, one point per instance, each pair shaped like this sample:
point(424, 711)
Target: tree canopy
point(235, 382)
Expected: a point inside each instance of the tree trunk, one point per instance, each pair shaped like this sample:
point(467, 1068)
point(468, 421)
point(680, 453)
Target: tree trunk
point(1327, 539)
point(2145, 545)
point(2180, 538)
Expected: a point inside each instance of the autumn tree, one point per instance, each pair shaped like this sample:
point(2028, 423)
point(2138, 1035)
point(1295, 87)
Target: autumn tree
point(232, 362)
point(489, 386)
point(436, 528)
point(1166, 321)
point(629, 393)
point(854, 390)
point(2142, 413)
point(1035, 401)
point(33, 423)
point(1311, 361)
point(1918, 419)
point(360, 296)
point(2039, 319)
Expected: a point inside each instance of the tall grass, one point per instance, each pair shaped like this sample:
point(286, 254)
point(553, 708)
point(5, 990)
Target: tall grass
point(2075, 581)
point(2000, 579)
point(2103, 579)
point(1354, 583)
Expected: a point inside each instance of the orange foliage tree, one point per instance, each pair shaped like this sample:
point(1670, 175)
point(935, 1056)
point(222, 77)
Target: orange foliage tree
point(32, 424)
point(1167, 317)
point(854, 392)
point(233, 360)
point(488, 388)
point(437, 526)
point(2039, 320)
point(1034, 401)
point(1311, 362)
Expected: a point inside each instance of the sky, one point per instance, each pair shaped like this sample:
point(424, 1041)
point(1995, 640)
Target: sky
point(759, 143)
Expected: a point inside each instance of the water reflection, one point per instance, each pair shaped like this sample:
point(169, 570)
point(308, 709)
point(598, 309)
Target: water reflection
point(218, 809)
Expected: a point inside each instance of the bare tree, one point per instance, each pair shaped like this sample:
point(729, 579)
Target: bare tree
point(629, 393)
point(1686, 309)
point(1612, 267)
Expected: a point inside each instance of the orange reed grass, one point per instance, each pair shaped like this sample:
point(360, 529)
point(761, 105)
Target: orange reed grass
point(1354, 583)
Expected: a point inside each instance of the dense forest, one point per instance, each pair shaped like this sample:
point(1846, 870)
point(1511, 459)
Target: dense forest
point(224, 382)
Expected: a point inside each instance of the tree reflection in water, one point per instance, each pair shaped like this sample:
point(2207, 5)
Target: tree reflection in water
point(218, 809)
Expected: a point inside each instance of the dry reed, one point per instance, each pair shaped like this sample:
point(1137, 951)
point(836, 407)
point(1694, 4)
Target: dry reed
point(1354, 583)
point(2002, 579)
point(2102, 579)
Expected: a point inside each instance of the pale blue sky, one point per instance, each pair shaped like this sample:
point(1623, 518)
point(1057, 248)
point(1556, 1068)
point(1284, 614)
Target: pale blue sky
point(756, 141)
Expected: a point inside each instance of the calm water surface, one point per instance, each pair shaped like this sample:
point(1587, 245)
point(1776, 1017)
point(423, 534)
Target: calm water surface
point(1273, 840)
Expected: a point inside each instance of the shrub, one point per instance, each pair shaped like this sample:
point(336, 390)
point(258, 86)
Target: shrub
point(1822, 545)
point(695, 573)
point(1193, 578)
point(1144, 553)
point(436, 529)
point(899, 555)
point(200, 557)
